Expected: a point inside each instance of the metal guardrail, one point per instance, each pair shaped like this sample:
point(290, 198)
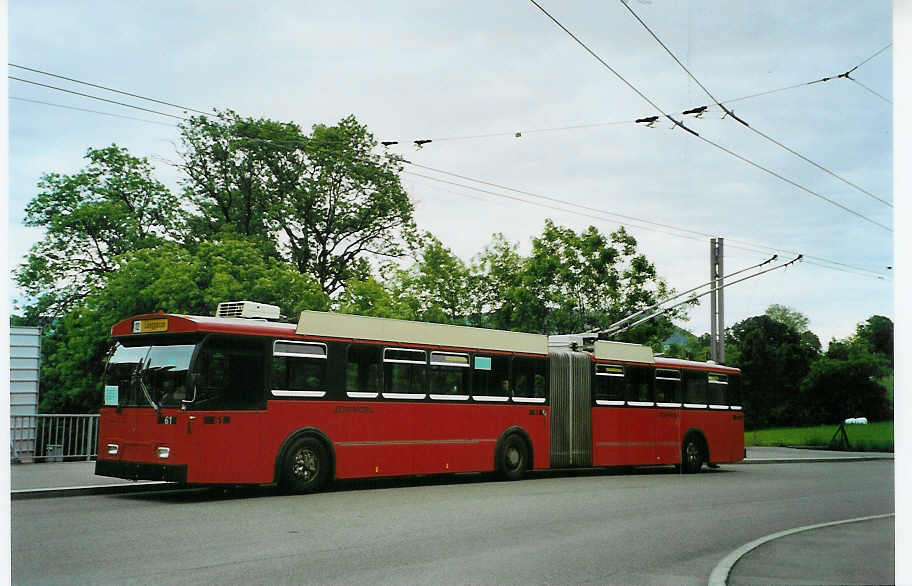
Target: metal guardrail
point(53, 438)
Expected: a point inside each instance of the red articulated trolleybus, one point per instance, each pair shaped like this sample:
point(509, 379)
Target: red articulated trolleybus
point(238, 399)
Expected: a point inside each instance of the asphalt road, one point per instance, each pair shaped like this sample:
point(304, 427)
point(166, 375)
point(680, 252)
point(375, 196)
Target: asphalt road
point(649, 526)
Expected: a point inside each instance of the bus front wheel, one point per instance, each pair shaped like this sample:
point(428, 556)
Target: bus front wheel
point(304, 467)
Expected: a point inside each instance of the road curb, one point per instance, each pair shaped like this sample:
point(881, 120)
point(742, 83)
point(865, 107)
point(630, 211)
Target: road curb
point(719, 575)
point(38, 493)
point(814, 460)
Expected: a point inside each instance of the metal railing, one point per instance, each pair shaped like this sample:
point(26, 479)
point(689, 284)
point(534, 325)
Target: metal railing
point(53, 438)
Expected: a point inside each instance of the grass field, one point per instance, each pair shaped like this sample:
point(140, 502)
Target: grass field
point(874, 437)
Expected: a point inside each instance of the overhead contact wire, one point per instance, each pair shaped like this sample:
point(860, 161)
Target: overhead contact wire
point(730, 152)
point(95, 85)
point(748, 126)
point(96, 98)
point(90, 111)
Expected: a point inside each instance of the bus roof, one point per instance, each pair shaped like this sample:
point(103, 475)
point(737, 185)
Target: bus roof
point(339, 325)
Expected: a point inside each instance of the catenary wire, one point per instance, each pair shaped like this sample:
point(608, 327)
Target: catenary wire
point(888, 45)
point(748, 126)
point(718, 146)
point(97, 98)
point(17, 98)
point(611, 69)
point(629, 218)
point(730, 242)
point(885, 99)
point(95, 85)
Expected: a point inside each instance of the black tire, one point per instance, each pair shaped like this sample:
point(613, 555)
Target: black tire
point(304, 467)
point(513, 458)
point(692, 455)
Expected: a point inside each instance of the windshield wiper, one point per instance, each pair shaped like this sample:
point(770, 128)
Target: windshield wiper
point(138, 380)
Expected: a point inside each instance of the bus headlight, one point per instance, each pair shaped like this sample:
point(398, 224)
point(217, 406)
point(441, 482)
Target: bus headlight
point(164, 452)
point(113, 449)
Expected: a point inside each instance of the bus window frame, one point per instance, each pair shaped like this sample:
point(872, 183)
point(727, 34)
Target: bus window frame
point(611, 402)
point(298, 394)
point(710, 381)
point(442, 364)
point(680, 389)
point(424, 363)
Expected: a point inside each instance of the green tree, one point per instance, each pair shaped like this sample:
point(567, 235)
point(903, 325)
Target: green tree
point(439, 286)
point(326, 203)
point(788, 316)
point(572, 282)
point(774, 359)
point(877, 333)
point(837, 388)
point(372, 298)
point(90, 219)
point(168, 278)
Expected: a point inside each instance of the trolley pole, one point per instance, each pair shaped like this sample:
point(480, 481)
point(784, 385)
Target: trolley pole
point(717, 301)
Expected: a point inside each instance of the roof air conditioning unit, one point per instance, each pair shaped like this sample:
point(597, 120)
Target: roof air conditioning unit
point(247, 309)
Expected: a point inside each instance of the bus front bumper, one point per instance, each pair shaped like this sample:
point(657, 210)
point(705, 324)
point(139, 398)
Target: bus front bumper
point(140, 470)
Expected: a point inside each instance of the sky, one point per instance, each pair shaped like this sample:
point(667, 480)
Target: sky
point(470, 75)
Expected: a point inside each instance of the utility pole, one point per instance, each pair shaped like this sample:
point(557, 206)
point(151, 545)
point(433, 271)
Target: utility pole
point(717, 303)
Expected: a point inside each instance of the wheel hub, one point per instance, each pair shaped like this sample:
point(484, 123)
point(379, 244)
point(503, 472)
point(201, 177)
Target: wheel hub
point(306, 465)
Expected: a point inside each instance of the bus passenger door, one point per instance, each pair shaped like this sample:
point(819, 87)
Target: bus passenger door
point(224, 420)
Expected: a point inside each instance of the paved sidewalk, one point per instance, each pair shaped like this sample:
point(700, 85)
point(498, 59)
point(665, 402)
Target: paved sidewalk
point(62, 478)
point(854, 553)
point(787, 455)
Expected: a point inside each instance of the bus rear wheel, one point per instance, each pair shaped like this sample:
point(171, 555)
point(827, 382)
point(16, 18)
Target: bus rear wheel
point(513, 456)
point(692, 456)
point(304, 466)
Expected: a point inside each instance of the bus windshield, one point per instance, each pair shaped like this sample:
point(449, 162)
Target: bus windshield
point(148, 376)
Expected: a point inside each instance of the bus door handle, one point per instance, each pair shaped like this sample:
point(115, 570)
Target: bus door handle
point(190, 424)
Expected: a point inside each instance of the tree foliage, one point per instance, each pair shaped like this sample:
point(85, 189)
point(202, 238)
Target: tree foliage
point(90, 219)
point(773, 359)
point(326, 203)
point(788, 316)
point(571, 282)
point(838, 388)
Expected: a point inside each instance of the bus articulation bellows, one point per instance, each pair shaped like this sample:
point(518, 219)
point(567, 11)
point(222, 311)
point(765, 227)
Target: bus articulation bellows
point(235, 400)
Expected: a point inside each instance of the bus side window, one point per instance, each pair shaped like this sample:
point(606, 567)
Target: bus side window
point(363, 370)
point(718, 389)
point(695, 388)
point(298, 366)
point(529, 378)
point(667, 385)
point(404, 371)
point(608, 384)
point(491, 376)
point(639, 384)
point(450, 375)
